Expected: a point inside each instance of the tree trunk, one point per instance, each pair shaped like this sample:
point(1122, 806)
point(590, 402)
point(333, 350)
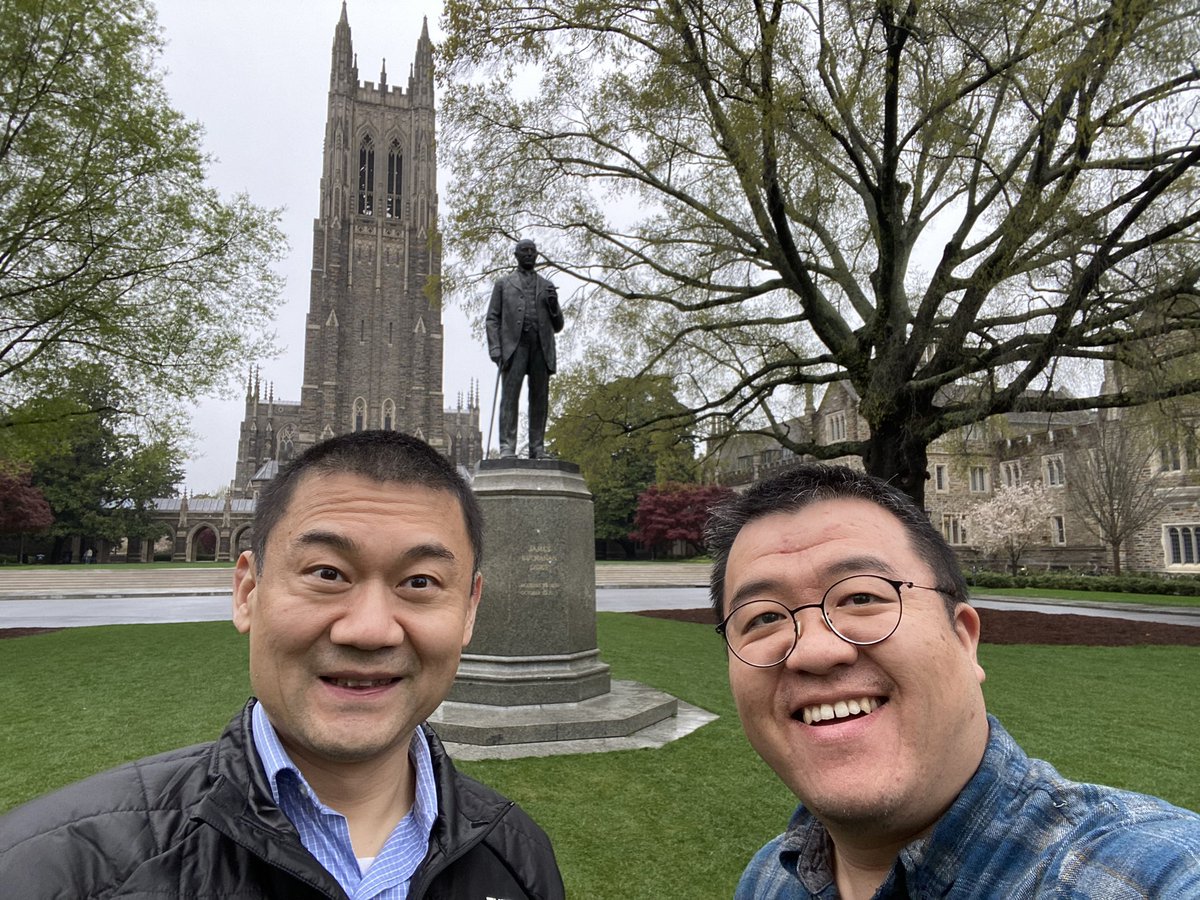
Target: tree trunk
point(900, 458)
point(1116, 557)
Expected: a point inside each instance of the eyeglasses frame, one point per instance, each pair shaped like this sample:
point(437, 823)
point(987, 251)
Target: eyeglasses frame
point(896, 584)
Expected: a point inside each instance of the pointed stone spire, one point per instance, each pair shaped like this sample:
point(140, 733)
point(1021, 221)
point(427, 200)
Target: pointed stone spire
point(343, 73)
point(420, 82)
point(383, 77)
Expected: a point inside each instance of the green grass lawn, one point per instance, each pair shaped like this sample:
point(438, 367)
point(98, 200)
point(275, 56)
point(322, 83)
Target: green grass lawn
point(677, 822)
point(1090, 596)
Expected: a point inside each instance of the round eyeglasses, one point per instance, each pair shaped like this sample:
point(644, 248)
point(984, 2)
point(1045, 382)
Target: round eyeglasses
point(861, 610)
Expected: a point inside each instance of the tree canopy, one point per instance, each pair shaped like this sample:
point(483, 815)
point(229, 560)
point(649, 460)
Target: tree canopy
point(100, 479)
point(957, 206)
point(600, 426)
point(113, 250)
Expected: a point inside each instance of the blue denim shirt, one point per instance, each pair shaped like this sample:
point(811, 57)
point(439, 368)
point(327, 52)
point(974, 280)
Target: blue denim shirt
point(1018, 829)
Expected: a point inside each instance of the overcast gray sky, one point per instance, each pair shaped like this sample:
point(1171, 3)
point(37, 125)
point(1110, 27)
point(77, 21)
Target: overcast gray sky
point(255, 73)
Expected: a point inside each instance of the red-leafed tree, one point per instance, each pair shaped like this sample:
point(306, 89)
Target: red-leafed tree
point(676, 512)
point(23, 508)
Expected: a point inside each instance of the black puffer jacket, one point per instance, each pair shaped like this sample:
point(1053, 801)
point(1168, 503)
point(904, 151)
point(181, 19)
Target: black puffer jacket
point(200, 822)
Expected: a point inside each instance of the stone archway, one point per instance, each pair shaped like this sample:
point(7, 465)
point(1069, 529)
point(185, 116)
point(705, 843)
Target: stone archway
point(240, 540)
point(203, 542)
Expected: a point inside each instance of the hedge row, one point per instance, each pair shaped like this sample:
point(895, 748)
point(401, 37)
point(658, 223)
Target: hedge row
point(1179, 585)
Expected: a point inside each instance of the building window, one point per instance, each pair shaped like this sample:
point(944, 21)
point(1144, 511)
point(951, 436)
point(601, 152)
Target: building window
point(941, 478)
point(1011, 471)
point(1058, 530)
point(1183, 545)
point(360, 414)
point(837, 427)
point(389, 414)
point(395, 173)
point(366, 177)
point(979, 479)
point(1169, 457)
point(954, 528)
point(1055, 474)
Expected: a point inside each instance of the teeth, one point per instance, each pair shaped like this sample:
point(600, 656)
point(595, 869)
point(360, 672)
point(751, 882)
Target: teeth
point(826, 712)
point(356, 683)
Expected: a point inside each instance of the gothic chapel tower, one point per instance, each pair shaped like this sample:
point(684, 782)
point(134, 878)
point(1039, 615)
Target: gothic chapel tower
point(373, 338)
point(373, 342)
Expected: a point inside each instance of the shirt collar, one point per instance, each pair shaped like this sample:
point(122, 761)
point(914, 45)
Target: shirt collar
point(276, 762)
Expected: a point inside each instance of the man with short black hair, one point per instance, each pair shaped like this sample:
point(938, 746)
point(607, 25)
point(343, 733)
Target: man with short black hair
point(358, 596)
point(852, 661)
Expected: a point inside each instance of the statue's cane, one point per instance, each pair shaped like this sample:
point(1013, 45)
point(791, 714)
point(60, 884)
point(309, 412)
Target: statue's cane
point(492, 418)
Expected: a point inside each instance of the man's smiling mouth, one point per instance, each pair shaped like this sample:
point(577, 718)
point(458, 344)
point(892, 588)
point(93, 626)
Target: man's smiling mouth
point(824, 713)
point(360, 682)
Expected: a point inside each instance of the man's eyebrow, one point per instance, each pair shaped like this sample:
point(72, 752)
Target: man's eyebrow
point(752, 589)
point(864, 564)
point(340, 542)
point(428, 551)
point(330, 539)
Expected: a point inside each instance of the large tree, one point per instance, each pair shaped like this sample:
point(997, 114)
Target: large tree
point(113, 250)
point(950, 204)
point(101, 480)
point(600, 425)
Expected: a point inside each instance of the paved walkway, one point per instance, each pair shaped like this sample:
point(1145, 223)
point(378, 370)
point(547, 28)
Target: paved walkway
point(97, 595)
point(137, 581)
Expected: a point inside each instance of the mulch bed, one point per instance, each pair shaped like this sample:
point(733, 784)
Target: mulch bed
point(998, 627)
point(1011, 627)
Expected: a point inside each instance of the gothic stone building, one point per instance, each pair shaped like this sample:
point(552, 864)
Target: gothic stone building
point(373, 350)
point(967, 466)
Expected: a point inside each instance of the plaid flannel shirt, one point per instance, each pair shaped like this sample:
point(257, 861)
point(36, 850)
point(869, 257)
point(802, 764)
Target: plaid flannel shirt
point(1017, 830)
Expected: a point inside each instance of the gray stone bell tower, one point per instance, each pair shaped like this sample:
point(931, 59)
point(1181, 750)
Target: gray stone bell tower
point(373, 347)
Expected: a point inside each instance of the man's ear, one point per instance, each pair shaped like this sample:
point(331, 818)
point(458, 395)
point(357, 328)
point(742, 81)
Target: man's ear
point(476, 593)
point(966, 628)
point(245, 580)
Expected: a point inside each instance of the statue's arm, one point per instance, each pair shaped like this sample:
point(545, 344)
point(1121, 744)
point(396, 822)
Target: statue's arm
point(556, 316)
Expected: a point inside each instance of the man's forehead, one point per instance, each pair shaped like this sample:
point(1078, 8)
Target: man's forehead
point(333, 489)
point(869, 532)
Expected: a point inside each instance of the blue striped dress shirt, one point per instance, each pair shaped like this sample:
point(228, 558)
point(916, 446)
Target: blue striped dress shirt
point(325, 832)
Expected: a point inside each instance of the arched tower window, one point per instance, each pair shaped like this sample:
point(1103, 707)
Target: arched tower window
point(287, 444)
point(389, 414)
point(360, 414)
point(366, 176)
point(395, 174)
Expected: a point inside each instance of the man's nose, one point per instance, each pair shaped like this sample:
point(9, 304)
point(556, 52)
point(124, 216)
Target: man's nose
point(370, 619)
point(818, 649)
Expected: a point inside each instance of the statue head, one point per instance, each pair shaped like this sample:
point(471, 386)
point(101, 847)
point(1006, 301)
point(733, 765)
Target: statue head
point(526, 253)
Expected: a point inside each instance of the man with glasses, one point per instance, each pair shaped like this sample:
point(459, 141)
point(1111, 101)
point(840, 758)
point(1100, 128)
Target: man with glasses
point(852, 661)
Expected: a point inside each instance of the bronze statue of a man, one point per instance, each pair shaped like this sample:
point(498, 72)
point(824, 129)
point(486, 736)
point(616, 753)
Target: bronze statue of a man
point(522, 320)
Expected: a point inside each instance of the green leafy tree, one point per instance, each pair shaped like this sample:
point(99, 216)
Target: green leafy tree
point(100, 477)
point(600, 425)
point(113, 251)
point(953, 205)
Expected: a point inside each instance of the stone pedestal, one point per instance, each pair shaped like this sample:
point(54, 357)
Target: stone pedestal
point(532, 672)
point(535, 633)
